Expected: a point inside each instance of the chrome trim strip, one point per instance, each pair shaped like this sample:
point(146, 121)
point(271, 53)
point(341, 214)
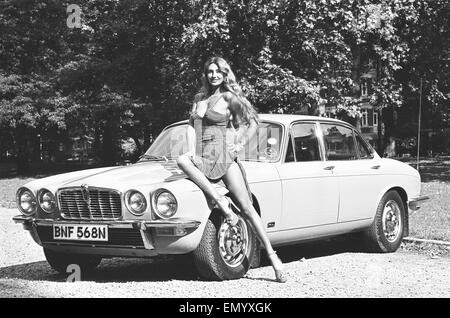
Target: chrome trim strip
point(147, 238)
point(421, 198)
point(414, 203)
point(142, 225)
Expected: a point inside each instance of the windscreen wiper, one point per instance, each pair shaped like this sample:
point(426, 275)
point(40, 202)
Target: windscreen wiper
point(153, 158)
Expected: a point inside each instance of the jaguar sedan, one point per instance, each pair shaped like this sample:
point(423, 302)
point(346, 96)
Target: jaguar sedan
point(310, 178)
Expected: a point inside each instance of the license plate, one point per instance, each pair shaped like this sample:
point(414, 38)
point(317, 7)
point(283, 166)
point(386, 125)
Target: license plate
point(80, 232)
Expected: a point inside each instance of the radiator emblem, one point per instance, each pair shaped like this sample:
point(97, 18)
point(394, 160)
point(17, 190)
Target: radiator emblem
point(85, 193)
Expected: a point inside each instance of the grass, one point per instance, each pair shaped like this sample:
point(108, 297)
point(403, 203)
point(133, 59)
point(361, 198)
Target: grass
point(431, 221)
point(8, 188)
point(431, 169)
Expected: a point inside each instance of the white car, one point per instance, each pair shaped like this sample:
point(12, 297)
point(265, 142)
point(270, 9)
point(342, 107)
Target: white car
point(310, 177)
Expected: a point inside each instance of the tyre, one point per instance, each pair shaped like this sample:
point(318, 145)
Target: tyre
point(225, 252)
point(386, 232)
point(59, 261)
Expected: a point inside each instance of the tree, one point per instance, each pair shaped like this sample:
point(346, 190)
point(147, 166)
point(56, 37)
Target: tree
point(134, 66)
point(29, 108)
point(423, 25)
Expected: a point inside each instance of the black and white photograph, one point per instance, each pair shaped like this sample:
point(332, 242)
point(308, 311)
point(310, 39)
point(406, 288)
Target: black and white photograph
point(224, 155)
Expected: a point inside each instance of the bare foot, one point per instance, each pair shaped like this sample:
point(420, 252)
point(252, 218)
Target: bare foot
point(278, 267)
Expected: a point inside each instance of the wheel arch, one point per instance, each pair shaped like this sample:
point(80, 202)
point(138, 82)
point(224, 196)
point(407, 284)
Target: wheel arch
point(256, 204)
point(404, 196)
point(254, 201)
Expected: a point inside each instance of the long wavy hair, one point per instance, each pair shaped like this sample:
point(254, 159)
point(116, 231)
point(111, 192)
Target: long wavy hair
point(245, 112)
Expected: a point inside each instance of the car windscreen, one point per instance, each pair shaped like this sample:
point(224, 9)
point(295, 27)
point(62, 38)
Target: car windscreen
point(264, 146)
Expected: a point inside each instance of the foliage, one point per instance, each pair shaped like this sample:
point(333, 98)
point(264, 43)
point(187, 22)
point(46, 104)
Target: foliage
point(134, 66)
point(423, 26)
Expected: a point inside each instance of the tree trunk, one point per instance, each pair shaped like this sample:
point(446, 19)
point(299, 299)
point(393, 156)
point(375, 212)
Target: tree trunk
point(21, 144)
point(109, 151)
point(138, 144)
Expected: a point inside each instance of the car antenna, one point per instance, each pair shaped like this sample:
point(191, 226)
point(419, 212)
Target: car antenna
point(418, 130)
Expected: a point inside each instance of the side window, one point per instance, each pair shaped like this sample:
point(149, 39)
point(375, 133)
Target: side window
point(363, 150)
point(289, 151)
point(339, 142)
point(306, 145)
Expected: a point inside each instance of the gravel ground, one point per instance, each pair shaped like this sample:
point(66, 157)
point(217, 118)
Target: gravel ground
point(331, 268)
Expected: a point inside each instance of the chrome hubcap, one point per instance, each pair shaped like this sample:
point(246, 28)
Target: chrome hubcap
point(233, 242)
point(391, 220)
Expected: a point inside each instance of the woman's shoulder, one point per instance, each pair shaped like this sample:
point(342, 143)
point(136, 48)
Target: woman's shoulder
point(198, 97)
point(228, 96)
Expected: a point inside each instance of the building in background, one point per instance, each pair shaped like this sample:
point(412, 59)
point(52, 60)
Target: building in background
point(368, 123)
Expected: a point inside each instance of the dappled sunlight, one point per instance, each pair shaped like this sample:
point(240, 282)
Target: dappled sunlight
point(431, 169)
point(432, 220)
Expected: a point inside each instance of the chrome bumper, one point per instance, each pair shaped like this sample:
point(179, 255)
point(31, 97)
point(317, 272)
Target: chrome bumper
point(135, 224)
point(174, 227)
point(414, 203)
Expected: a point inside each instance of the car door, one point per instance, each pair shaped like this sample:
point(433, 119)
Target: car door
point(356, 168)
point(310, 193)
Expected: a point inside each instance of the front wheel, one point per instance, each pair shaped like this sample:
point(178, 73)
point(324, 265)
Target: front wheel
point(225, 252)
point(386, 232)
point(60, 261)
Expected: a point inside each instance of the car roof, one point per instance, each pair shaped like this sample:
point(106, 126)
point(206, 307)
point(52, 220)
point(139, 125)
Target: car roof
point(287, 119)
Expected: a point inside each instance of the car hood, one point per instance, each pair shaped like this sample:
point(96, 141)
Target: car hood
point(142, 174)
point(120, 178)
point(124, 177)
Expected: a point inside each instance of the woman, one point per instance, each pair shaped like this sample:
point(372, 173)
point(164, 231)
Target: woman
point(219, 99)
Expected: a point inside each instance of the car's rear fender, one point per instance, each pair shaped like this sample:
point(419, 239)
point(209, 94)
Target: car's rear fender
point(405, 191)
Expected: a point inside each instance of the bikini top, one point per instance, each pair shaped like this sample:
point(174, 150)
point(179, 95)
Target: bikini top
point(211, 116)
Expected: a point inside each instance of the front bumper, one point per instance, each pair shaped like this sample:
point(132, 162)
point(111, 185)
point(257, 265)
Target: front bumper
point(414, 203)
point(125, 234)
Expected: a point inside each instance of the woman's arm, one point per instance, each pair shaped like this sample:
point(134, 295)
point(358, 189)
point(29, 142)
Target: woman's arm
point(243, 135)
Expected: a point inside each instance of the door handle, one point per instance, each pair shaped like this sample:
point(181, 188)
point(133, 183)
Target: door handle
point(375, 167)
point(329, 168)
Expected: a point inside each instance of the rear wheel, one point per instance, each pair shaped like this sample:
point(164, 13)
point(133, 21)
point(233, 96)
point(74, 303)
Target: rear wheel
point(60, 261)
point(386, 232)
point(225, 252)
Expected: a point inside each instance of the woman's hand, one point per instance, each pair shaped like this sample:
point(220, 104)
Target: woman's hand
point(236, 147)
point(190, 154)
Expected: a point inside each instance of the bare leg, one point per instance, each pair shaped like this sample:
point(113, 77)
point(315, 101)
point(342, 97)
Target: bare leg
point(185, 164)
point(235, 183)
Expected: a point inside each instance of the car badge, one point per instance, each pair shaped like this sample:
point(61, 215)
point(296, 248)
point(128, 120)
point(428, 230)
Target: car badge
point(85, 194)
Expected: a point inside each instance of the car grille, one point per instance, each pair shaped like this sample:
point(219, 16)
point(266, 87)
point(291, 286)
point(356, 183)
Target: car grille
point(104, 204)
point(117, 237)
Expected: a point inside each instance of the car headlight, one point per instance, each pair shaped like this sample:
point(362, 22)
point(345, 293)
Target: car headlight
point(47, 201)
point(164, 203)
point(135, 202)
point(26, 201)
